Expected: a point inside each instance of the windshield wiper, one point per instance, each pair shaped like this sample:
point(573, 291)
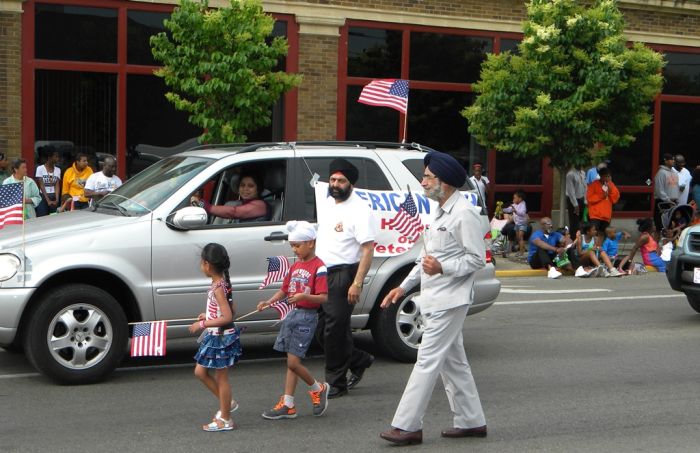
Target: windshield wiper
point(114, 206)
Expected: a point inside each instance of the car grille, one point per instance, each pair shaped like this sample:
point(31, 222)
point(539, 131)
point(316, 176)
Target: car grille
point(694, 242)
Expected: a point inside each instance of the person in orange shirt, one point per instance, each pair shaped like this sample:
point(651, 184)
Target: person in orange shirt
point(601, 194)
point(74, 182)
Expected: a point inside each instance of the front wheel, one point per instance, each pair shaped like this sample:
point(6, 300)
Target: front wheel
point(694, 302)
point(77, 334)
point(398, 329)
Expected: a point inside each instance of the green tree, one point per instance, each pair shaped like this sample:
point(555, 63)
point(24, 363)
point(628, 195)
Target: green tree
point(220, 65)
point(574, 84)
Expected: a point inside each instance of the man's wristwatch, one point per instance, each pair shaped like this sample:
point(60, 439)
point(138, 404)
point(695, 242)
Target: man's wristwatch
point(357, 284)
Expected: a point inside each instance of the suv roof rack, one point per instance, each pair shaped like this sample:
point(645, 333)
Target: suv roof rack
point(249, 147)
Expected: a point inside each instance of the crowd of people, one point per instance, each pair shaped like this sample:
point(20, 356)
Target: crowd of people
point(50, 191)
point(588, 245)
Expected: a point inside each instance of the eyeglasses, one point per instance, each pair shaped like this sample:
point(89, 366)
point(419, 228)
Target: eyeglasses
point(425, 176)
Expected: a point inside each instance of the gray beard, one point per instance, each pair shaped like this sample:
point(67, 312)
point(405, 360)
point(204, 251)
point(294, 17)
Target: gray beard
point(436, 194)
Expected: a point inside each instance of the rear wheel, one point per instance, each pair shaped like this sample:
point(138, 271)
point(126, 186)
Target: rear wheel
point(694, 302)
point(398, 329)
point(77, 334)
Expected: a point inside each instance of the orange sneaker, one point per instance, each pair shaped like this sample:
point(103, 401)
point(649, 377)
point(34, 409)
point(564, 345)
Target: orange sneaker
point(320, 399)
point(280, 411)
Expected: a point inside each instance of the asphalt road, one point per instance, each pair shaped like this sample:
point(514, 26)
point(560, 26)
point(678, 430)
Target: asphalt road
point(600, 365)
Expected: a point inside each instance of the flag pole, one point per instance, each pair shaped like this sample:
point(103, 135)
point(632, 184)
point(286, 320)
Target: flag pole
point(24, 242)
point(405, 118)
point(189, 319)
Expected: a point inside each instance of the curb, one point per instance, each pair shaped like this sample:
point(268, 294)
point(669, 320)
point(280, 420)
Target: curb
point(538, 272)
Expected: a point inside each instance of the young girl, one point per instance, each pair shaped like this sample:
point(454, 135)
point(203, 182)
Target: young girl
point(590, 254)
point(221, 347)
point(648, 245)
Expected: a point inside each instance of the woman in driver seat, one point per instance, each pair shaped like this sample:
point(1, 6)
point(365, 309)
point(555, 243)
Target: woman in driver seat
point(251, 208)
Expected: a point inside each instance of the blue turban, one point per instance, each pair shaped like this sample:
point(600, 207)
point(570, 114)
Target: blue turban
point(446, 168)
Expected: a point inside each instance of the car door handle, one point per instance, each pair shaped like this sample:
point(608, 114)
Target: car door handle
point(277, 236)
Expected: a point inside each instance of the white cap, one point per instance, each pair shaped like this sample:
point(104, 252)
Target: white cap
point(300, 230)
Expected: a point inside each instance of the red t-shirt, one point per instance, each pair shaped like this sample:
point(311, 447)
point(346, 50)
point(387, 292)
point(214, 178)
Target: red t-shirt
point(307, 277)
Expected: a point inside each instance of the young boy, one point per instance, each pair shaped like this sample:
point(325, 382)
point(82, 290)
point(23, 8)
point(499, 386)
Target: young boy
point(520, 218)
point(611, 243)
point(305, 288)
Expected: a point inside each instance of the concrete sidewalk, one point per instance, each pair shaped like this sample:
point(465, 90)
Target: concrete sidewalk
point(515, 267)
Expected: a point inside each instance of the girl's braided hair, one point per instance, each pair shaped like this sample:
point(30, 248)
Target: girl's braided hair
point(216, 255)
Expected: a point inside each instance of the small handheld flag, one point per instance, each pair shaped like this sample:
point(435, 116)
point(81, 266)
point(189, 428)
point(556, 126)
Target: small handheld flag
point(11, 204)
point(386, 93)
point(407, 221)
point(148, 339)
point(277, 268)
point(283, 307)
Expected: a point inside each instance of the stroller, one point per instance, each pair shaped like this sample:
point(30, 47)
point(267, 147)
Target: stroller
point(674, 219)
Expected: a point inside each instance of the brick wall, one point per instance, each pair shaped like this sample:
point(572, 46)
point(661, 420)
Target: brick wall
point(10, 83)
point(318, 62)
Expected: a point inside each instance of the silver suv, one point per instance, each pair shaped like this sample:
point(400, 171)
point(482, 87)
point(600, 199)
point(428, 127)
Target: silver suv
point(69, 291)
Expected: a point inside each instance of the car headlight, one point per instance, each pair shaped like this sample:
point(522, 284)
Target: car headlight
point(9, 265)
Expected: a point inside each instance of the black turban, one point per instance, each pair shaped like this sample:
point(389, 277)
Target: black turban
point(446, 168)
point(346, 168)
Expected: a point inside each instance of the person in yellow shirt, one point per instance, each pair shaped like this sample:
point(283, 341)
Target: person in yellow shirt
point(74, 182)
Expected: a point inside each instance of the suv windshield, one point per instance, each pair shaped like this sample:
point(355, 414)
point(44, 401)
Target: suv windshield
point(147, 190)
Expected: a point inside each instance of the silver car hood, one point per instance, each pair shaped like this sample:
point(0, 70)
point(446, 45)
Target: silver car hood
point(72, 226)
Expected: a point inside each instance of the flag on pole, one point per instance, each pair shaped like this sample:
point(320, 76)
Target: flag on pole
point(11, 212)
point(283, 307)
point(386, 93)
point(148, 339)
point(277, 268)
point(407, 221)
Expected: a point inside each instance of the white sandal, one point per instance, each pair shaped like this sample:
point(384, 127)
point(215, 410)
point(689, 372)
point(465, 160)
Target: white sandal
point(214, 426)
point(234, 408)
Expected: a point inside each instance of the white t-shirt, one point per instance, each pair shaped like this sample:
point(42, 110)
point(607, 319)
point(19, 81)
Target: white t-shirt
point(342, 229)
point(481, 185)
point(98, 182)
point(48, 179)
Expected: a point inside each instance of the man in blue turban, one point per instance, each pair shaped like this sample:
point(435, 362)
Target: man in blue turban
point(453, 253)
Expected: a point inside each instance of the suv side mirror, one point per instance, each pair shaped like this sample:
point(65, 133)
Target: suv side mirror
point(189, 217)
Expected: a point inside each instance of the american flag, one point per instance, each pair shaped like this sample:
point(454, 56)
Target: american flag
point(11, 204)
point(277, 268)
point(149, 339)
point(283, 307)
point(386, 93)
point(407, 221)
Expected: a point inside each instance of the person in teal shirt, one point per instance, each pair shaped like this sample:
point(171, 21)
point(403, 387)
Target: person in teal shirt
point(32, 196)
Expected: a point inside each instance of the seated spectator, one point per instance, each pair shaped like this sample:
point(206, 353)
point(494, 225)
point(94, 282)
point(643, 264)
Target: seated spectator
point(32, 196)
point(251, 207)
point(648, 245)
point(678, 223)
point(519, 220)
point(547, 250)
point(48, 179)
point(611, 244)
point(590, 254)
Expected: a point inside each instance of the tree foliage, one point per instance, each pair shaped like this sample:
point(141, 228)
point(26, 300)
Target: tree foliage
point(575, 83)
point(220, 65)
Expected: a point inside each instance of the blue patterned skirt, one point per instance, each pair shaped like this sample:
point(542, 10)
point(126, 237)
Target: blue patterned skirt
point(219, 351)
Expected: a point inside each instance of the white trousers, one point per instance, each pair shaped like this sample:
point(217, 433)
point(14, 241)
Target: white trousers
point(441, 352)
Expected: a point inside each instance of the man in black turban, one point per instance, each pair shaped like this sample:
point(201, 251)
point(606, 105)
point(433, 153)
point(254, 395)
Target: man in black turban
point(349, 172)
point(345, 243)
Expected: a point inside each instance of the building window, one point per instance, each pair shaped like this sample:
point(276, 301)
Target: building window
point(447, 58)
point(141, 25)
point(373, 52)
point(90, 96)
point(78, 108)
point(680, 131)
point(76, 33)
point(682, 73)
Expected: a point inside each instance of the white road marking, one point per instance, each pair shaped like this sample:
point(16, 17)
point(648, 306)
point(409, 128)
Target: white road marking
point(554, 291)
point(588, 299)
point(18, 375)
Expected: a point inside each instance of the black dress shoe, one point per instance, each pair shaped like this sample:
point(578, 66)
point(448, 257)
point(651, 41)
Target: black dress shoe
point(401, 437)
point(479, 431)
point(356, 376)
point(336, 392)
